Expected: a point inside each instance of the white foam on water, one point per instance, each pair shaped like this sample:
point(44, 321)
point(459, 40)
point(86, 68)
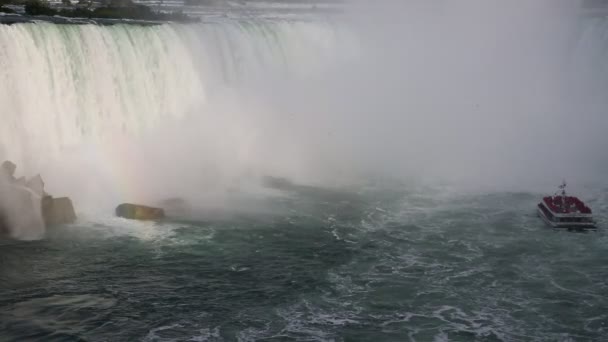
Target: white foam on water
point(111, 227)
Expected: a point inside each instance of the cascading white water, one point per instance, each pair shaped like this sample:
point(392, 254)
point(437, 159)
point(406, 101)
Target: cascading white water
point(63, 84)
point(411, 96)
point(591, 50)
point(70, 91)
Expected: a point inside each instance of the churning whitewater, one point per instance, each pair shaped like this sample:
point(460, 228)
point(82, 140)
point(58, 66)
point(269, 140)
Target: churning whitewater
point(421, 235)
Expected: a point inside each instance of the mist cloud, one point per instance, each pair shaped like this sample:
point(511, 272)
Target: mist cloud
point(478, 93)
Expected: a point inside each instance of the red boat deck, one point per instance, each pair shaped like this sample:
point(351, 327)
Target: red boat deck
point(566, 205)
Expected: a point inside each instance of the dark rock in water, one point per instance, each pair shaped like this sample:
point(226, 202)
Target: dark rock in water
point(8, 170)
point(323, 194)
point(20, 212)
point(278, 183)
point(25, 208)
point(176, 207)
point(57, 210)
point(174, 201)
point(139, 212)
point(4, 230)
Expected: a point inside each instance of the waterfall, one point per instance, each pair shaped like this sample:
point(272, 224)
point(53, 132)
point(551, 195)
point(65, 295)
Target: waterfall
point(387, 96)
point(62, 84)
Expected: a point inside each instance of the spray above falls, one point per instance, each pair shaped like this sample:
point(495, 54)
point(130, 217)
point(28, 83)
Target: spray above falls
point(472, 92)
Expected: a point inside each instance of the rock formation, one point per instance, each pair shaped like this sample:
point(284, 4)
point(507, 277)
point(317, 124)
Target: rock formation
point(36, 184)
point(7, 171)
point(26, 210)
point(21, 212)
point(139, 212)
point(176, 207)
point(57, 210)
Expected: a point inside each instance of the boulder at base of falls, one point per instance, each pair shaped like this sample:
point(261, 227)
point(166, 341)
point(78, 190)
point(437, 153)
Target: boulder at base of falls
point(26, 209)
point(57, 210)
point(20, 212)
point(139, 212)
point(175, 207)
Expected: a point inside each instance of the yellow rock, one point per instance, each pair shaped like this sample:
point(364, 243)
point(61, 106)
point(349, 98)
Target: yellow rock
point(139, 212)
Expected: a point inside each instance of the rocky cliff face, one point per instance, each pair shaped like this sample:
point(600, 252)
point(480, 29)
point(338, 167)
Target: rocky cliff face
point(26, 210)
point(57, 211)
point(21, 212)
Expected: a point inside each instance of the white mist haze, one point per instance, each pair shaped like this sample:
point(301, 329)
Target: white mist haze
point(468, 91)
point(479, 93)
point(483, 93)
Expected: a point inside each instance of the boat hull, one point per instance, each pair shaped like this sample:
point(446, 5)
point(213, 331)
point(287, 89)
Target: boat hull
point(564, 225)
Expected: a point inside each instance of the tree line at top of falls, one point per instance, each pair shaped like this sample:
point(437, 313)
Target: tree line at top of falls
point(110, 9)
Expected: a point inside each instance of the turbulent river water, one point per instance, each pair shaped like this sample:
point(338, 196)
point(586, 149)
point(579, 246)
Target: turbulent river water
point(417, 264)
point(395, 261)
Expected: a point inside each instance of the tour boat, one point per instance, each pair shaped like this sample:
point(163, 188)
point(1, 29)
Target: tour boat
point(563, 211)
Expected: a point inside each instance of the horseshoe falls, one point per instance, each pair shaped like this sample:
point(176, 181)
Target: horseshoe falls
point(367, 176)
point(63, 84)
